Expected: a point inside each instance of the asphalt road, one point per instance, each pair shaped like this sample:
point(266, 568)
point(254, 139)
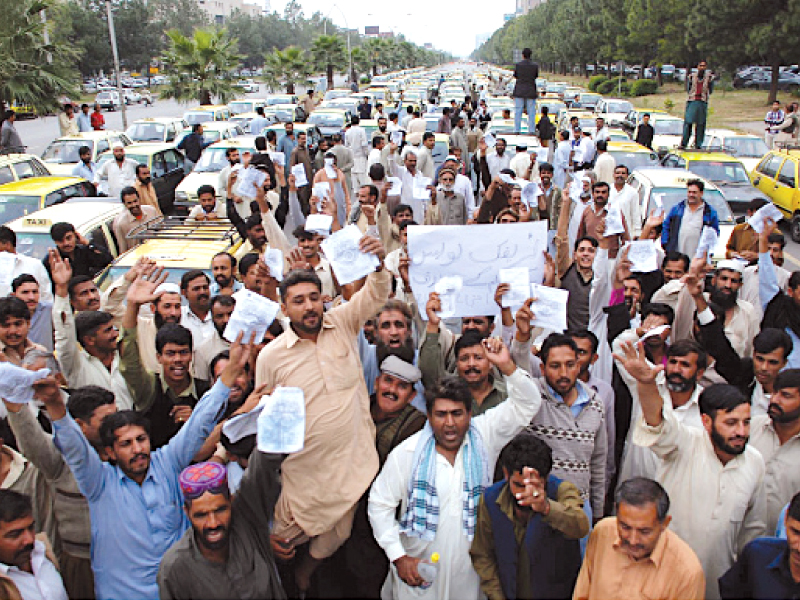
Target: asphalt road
point(38, 133)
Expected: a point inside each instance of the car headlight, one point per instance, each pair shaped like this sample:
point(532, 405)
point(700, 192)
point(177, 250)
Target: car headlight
point(181, 196)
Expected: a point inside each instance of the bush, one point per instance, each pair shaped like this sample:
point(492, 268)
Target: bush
point(669, 105)
point(595, 81)
point(611, 86)
point(644, 87)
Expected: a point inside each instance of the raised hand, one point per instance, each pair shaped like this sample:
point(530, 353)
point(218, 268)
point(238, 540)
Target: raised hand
point(371, 245)
point(535, 494)
point(143, 266)
point(432, 309)
point(297, 260)
point(523, 319)
point(60, 269)
point(239, 356)
point(503, 288)
point(143, 288)
point(499, 355)
point(635, 362)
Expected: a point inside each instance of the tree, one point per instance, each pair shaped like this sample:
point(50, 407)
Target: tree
point(201, 67)
point(361, 62)
point(287, 67)
point(32, 71)
point(329, 54)
point(139, 39)
point(374, 47)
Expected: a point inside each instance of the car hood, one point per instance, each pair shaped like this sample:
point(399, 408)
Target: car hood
point(739, 192)
point(61, 169)
point(193, 181)
point(666, 142)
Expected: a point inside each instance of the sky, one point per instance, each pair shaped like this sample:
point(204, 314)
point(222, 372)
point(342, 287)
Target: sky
point(428, 22)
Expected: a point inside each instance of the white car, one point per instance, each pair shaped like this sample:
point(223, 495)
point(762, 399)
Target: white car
point(108, 100)
point(248, 85)
point(132, 97)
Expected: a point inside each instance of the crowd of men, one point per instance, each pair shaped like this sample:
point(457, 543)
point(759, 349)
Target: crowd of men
point(649, 450)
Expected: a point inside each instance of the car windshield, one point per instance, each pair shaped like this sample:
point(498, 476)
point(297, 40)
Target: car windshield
point(35, 245)
point(201, 116)
point(584, 98)
point(146, 132)
point(634, 160)
point(749, 147)
point(241, 106)
point(274, 100)
point(668, 127)
point(213, 160)
point(326, 119)
point(13, 207)
point(619, 107)
point(282, 114)
point(671, 196)
point(552, 107)
point(66, 151)
point(718, 171)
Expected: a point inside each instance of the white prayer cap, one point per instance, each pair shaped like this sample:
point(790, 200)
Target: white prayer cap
point(731, 265)
point(117, 144)
point(397, 367)
point(168, 288)
point(453, 158)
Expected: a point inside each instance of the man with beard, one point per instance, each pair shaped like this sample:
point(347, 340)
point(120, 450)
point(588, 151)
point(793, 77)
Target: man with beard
point(768, 567)
point(448, 464)
point(134, 503)
point(227, 550)
point(223, 267)
point(339, 453)
point(27, 571)
point(145, 188)
point(168, 395)
point(302, 156)
point(551, 196)
point(134, 215)
point(166, 308)
point(635, 555)
point(395, 420)
point(596, 213)
point(234, 159)
point(196, 317)
point(518, 517)
point(86, 342)
point(781, 309)
point(309, 242)
point(714, 480)
point(221, 311)
point(118, 173)
point(572, 422)
point(740, 322)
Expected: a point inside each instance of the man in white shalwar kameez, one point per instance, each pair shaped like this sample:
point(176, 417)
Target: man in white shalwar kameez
point(561, 161)
point(447, 451)
point(407, 172)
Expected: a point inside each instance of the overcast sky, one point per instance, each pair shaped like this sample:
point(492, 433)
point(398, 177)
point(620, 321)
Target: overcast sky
point(429, 22)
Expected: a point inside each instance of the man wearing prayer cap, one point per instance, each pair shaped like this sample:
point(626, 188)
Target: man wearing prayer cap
point(118, 173)
point(227, 553)
point(395, 420)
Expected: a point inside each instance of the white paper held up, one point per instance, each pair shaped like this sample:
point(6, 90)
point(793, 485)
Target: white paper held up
point(252, 314)
point(614, 224)
point(249, 181)
point(395, 186)
point(16, 382)
point(6, 267)
point(321, 190)
point(708, 242)
point(490, 140)
point(397, 137)
point(519, 280)
point(421, 191)
point(549, 307)
point(278, 158)
point(319, 224)
point(299, 172)
point(530, 193)
point(643, 256)
point(506, 178)
point(348, 262)
point(768, 211)
point(273, 258)
point(448, 288)
point(282, 422)
point(655, 331)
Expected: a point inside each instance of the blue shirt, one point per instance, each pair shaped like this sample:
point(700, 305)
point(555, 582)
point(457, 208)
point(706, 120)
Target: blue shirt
point(762, 571)
point(84, 122)
point(41, 329)
point(286, 145)
point(134, 525)
point(85, 171)
point(258, 125)
point(214, 288)
point(768, 288)
point(581, 401)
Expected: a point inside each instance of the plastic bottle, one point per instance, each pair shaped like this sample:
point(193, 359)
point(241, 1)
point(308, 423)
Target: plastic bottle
point(428, 570)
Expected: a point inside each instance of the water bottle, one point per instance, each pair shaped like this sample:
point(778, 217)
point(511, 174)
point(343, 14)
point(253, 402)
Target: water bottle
point(428, 569)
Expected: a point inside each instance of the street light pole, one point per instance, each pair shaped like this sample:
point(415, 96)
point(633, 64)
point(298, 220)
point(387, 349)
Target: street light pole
point(113, 36)
point(349, 55)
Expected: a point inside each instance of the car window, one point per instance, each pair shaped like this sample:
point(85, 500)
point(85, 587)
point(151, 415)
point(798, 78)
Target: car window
point(24, 169)
point(787, 174)
point(97, 237)
point(102, 146)
point(159, 167)
point(171, 132)
point(39, 169)
point(172, 161)
point(6, 175)
point(681, 163)
point(770, 166)
point(54, 198)
point(85, 188)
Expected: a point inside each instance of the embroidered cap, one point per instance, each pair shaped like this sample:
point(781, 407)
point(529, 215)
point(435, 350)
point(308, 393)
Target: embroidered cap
point(203, 477)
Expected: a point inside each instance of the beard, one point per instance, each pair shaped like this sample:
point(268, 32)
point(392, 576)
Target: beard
point(161, 321)
point(721, 443)
point(678, 383)
point(778, 415)
point(725, 300)
point(223, 281)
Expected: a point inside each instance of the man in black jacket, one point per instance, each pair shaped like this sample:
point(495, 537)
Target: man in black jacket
point(645, 133)
point(84, 257)
point(525, 72)
point(193, 146)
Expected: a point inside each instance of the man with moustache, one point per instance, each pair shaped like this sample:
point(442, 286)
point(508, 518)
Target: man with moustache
point(475, 369)
point(223, 267)
point(597, 212)
point(776, 243)
point(699, 463)
point(221, 311)
point(134, 215)
point(118, 173)
point(145, 188)
point(309, 244)
point(196, 317)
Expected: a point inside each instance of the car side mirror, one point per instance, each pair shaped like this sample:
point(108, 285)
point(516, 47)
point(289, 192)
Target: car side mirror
point(757, 180)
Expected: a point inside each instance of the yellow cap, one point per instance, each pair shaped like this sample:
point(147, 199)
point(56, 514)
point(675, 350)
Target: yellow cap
point(435, 557)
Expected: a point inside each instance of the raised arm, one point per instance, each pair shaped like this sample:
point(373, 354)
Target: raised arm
point(635, 363)
point(34, 444)
point(66, 338)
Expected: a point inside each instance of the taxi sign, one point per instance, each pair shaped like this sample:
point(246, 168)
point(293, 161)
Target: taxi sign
point(34, 222)
point(168, 257)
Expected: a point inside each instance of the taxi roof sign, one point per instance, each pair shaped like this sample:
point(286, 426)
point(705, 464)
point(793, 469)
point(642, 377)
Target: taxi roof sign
point(35, 222)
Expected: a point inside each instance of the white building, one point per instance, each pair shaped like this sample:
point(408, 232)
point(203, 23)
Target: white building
point(220, 10)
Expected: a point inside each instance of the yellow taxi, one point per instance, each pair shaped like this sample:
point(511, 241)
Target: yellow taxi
point(93, 218)
point(748, 148)
point(238, 107)
point(14, 167)
point(179, 248)
point(776, 175)
point(156, 129)
point(725, 171)
point(214, 131)
point(20, 198)
point(206, 113)
point(632, 155)
point(61, 156)
point(208, 168)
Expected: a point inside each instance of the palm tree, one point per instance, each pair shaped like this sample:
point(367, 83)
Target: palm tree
point(287, 67)
point(329, 54)
point(32, 71)
point(361, 62)
point(201, 67)
point(375, 48)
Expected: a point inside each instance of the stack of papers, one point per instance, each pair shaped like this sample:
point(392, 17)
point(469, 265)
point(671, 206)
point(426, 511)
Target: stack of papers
point(299, 172)
point(281, 426)
point(248, 182)
point(252, 314)
point(319, 224)
point(347, 261)
point(273, 258)
point(519, 280)
point(448, 288)
point(768, 211)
